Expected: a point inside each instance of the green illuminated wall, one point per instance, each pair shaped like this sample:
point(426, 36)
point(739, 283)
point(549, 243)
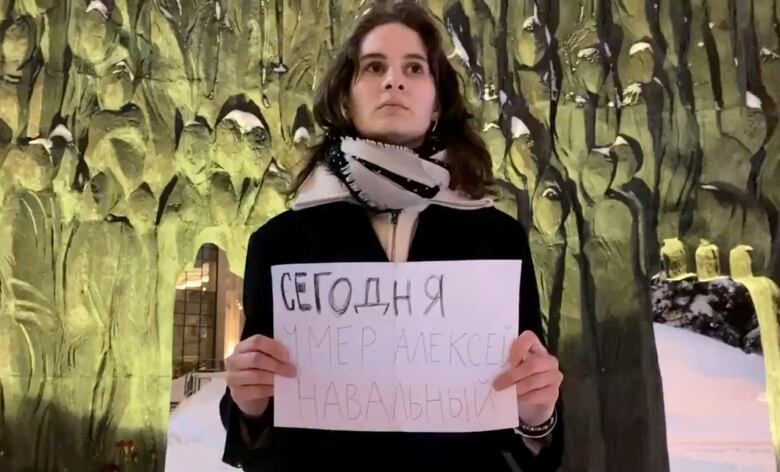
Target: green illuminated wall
point(133, 131)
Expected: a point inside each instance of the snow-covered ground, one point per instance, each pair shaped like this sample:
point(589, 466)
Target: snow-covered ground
point(717, 415)
point(716, 411)
point(195, 433)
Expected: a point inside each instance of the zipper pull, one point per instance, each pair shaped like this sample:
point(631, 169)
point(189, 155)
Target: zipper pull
point(394, 221)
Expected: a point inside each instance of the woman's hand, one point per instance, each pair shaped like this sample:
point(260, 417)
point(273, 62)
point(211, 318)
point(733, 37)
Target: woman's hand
point(251, 369)
point(535, 373)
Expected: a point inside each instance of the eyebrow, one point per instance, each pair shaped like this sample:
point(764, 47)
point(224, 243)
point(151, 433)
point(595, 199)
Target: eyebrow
point(376, 55)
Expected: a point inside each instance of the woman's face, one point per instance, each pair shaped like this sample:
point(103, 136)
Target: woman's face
point(393, 96)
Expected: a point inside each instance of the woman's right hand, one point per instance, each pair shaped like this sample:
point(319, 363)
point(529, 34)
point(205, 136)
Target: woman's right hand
point(251, 369)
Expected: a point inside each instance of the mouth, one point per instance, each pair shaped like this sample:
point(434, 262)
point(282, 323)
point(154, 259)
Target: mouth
point(393, 105)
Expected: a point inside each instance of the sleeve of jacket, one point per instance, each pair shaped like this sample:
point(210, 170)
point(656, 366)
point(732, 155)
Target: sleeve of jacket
point(249, 441)
point(550, 455)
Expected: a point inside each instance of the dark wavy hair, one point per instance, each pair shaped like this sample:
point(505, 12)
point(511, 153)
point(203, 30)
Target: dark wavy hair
point(467, 154)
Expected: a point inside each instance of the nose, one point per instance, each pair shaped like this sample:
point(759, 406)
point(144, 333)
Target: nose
point(393, 79)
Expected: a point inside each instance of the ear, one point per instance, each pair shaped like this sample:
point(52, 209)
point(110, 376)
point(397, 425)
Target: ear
point(345, 110)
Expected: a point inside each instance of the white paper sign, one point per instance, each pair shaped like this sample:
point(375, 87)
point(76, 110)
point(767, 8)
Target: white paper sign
point(396, 347)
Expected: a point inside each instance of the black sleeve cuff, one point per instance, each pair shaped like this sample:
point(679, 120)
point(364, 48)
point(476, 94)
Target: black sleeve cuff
point(247, 439)
point(549, 457)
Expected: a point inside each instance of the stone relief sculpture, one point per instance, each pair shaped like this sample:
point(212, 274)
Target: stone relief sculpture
point(637, 142)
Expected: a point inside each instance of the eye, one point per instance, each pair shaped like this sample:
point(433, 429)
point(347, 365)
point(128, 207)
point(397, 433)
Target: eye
point(416, 68)
point(552, 192)
point(373, 67)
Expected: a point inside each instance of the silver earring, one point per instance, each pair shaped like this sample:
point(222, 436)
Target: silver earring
point(435, 124)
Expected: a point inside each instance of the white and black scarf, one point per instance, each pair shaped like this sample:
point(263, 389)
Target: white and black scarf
point(386, 177)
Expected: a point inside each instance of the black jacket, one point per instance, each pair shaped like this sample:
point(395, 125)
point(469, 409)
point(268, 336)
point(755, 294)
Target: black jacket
point(342, 232)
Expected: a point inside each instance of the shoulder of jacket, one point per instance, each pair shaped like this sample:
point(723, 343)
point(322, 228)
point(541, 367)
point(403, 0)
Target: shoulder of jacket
point(493, 217)
point(501, 228)
point(277, 227)
point(290, 223)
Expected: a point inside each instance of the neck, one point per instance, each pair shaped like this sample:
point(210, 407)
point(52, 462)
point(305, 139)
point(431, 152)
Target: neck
point(411, 143)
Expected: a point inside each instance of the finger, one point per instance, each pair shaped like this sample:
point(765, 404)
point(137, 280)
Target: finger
point(247, 345)
point(265, 345)
point(538, 382)
point(251, 392)
point(246, 360)
point(243, 378)
point(541, 397)
point(503, 381)
point(532, 366)
point(524, 344)
point(258, 360)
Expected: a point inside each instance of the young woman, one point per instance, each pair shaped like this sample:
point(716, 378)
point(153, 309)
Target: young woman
point(391, 106)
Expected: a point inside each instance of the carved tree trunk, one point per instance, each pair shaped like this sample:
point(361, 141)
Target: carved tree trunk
point(614, 125)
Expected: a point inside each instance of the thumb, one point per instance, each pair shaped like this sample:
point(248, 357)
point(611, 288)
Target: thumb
point(524, 346)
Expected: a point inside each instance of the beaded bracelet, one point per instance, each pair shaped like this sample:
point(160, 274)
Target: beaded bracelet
point(540, 431)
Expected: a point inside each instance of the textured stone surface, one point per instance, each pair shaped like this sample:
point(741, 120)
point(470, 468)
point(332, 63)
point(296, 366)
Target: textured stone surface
point(631, 137)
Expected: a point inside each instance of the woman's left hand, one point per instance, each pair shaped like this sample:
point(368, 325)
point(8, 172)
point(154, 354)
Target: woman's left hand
point(537, 377)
